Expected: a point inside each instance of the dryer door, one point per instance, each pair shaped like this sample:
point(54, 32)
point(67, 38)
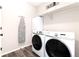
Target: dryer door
point(36, 42)
point(56, 48)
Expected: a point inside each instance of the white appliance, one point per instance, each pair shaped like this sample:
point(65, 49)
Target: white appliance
point(59, 44)
point(37, 23)
point(38, 43)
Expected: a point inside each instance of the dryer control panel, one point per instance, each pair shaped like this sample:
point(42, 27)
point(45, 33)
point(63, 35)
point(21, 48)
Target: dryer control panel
point(69, 35)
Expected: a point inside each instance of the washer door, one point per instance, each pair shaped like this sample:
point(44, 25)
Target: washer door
point(36, 41)
point(56, 48)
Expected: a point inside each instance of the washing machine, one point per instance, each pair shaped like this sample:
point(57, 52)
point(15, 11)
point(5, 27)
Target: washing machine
point(38, 43)
point(60, 44)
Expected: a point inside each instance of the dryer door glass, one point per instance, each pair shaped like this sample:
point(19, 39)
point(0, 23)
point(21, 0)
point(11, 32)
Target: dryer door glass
point(36, 41)
point(56, 48)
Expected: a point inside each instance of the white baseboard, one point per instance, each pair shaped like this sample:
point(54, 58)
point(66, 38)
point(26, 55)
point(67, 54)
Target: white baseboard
point(14, 50)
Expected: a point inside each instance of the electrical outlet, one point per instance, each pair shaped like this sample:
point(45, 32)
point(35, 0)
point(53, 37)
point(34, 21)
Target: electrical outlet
point(0, 28)
point(1, 34)
point(0, 7)
point(1, 49)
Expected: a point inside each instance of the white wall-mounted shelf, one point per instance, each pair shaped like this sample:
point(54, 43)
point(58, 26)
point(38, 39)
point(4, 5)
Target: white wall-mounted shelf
point(59, 7)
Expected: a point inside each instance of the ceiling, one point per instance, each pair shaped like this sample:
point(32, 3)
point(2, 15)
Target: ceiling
point(38, 3)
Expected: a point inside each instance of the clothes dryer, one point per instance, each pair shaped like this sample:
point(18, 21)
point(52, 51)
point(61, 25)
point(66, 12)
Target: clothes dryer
point(59, 44)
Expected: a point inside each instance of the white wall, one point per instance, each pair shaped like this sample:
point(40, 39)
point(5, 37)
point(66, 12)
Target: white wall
point(0, 28)
point(12, 9)
point(64, 20)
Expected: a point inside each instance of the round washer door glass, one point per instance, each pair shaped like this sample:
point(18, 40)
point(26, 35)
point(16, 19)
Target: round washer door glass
point(36, 41)
point(56, 48)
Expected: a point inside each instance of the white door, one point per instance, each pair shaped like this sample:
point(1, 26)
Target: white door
point(0, 28)
point(37, 23)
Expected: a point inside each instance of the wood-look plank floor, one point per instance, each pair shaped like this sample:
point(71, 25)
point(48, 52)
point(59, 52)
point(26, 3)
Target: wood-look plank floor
point(25, 52)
